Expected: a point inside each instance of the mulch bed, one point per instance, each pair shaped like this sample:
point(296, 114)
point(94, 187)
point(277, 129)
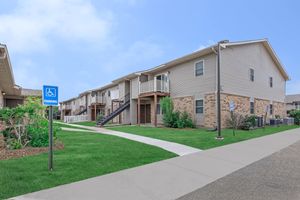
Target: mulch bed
point(27, 151)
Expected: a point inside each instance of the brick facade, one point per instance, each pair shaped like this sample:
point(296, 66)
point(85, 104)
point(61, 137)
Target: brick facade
point(185, 104)
point(210, 110)
point(242, 106)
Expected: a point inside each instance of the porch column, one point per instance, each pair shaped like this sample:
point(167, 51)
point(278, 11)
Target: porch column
point(155, 110)
point(139, 111)
point(95, 107)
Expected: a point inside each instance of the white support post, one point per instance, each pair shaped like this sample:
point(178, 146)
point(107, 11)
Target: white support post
point(155, 84)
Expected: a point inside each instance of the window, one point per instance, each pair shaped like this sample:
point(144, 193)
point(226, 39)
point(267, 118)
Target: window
point(251, 74)
point(108, 93)
point(271, 109)
point(199, 106)
point(251, 107)
point(271, 82)
point(158, 111)
point(297, 104)
point(199, 68)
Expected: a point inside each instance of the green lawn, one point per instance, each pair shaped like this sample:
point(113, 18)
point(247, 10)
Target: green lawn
point(68, 126)
point(85, 155)
point(89, 123)
point(200, 138)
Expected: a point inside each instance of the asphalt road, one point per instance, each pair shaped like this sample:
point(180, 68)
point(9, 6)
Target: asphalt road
point(276, 177)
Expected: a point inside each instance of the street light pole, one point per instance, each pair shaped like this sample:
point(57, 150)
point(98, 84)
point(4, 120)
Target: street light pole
point(219, 136)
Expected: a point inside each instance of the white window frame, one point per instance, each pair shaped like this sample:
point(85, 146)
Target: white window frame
point(195, 68)
point(202, 106)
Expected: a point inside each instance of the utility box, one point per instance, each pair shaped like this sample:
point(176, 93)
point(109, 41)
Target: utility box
point(288, 121)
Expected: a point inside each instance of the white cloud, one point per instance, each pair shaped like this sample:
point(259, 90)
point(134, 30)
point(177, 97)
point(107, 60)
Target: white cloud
point(34, 23)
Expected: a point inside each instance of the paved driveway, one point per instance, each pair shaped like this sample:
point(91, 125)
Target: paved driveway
point(276, 177)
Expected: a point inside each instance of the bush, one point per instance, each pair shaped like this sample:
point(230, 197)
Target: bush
point(174, 119)
point(249, 122)
point(100, 116)
point(296, 115)
point(13, 143)
point(26, 124)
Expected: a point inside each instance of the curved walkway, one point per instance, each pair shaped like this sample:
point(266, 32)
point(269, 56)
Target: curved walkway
point(173, 178)
point(176, 148)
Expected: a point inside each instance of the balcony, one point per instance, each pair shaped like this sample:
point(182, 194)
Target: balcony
point(155, 85)
point(98, 100)
point(66, 107)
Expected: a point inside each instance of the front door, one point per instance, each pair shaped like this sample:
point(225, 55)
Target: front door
point(145, 113)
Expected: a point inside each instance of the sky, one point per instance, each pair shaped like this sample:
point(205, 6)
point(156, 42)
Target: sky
point(84, 44)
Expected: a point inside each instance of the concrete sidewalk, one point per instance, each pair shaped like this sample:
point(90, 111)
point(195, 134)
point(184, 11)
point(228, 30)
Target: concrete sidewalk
point(173, 147)
point(173, 178)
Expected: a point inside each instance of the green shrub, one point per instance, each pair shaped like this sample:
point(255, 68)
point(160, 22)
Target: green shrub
point(249, 122)
point(26, 124)
point(13, 143)
point(186, 120)
point(100, 116)
point(296, 115)
point(174, 119)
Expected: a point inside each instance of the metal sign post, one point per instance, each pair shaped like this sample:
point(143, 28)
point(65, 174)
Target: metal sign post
point(50, 98)
point(50, 164)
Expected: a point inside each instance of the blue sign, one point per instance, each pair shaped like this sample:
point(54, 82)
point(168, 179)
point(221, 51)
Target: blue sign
point(231, 106)
point(50, 95)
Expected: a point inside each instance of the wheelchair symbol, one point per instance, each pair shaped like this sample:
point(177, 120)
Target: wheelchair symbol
point(50, 92)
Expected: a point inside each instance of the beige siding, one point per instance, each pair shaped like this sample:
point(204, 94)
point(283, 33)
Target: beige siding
point(236, 62)
point(1, 100)
point(122, 89)
point(134, 88)
point(183, 81)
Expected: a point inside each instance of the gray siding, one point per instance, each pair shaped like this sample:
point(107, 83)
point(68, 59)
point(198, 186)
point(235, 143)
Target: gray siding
point(236, 62)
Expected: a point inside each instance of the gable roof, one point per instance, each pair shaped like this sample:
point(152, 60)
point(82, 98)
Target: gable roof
point(270, 50)
point(292, 98)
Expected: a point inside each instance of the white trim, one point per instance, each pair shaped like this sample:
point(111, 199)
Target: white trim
point(202, 60)
point(195, 107)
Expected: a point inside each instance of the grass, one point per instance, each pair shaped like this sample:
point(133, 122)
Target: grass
point(88, 123)
point(85, 155)
point(69, 126)
point(200, 138)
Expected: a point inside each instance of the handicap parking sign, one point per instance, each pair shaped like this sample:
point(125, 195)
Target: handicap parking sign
point(50, 95)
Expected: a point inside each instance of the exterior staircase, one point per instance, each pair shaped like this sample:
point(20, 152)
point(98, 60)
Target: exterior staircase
point(83, 111)
point(123, 106)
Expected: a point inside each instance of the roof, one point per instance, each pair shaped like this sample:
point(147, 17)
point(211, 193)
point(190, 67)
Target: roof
point(7, 81)
point(292, 98)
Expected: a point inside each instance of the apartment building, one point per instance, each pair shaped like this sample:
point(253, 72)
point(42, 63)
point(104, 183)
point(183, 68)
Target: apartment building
point(11, 94)
point(252, 78)
point(292, 102)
